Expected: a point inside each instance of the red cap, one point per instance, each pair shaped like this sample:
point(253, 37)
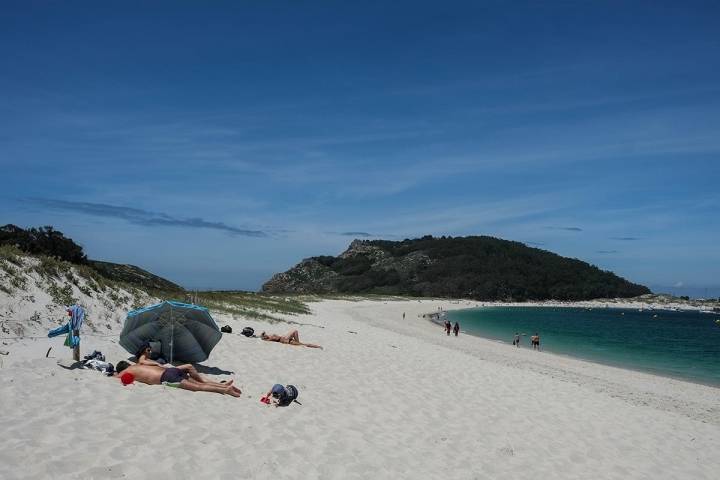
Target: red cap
point(127, 378)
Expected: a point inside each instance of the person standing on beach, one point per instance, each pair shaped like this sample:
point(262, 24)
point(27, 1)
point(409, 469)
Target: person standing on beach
point(448, 327)
point(456, 329)
point(516, 340)
point(535, 341)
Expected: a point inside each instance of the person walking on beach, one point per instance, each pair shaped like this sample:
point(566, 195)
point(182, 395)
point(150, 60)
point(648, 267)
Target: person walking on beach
point(516, 340)
point(448, 327)
point(535, 341)
point(456, 329)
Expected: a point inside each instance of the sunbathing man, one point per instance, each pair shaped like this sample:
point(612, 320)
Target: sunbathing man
point(183, 376)
point(292, 338)
point(143, 357)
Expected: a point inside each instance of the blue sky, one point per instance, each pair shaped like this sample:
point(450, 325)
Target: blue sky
point(218, 143)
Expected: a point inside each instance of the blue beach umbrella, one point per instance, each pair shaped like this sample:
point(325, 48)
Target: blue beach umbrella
point(186, 332)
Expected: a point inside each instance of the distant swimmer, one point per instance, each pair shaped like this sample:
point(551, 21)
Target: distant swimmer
point(516, 340)
point(535, 341)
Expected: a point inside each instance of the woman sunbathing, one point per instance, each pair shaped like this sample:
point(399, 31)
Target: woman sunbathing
point(292, 338)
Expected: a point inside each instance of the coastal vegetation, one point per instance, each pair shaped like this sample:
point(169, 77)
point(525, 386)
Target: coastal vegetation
point(42, 241)
point(42, 263)
point(55, 251)
point(477, 267)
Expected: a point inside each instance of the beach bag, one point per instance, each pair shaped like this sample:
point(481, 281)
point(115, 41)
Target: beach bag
point(248, 331)
point(288, 395)
point(226, 329)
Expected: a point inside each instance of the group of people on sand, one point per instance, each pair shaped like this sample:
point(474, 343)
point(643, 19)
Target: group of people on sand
point(449, 327)
point(186, 376)
point(534, 340)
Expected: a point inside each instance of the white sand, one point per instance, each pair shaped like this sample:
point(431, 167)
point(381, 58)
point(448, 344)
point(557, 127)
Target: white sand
point(396, 399)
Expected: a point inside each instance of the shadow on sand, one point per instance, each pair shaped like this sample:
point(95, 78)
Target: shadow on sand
point(204, 369)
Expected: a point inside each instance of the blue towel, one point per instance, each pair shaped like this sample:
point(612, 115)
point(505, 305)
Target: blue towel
point(77, 316)
point(59, 331)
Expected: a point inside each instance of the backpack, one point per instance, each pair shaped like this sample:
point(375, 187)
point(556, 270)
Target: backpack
point(226, 329)
point(288, 396)
point(248, 331)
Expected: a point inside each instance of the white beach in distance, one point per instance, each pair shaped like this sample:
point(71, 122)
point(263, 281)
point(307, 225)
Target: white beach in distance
point(386, 398)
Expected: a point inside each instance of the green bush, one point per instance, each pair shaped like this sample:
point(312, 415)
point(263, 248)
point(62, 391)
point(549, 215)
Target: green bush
point(61, 295)
point(355, 265)
point(50, 267)
point(11, 253)
point(42, 241)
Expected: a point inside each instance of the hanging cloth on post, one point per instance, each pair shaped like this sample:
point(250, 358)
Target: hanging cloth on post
point(77, 315)
point(72, 328)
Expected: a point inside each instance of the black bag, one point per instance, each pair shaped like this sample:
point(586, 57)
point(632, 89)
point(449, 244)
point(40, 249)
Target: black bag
point(248, 331)
point(226, 329)
point(291, 393)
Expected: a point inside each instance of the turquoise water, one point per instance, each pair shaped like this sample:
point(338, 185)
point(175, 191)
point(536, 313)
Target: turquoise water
point(675, 344)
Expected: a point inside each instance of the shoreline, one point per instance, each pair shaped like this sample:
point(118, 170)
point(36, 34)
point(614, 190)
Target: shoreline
point(435, 318)
point(597, 304)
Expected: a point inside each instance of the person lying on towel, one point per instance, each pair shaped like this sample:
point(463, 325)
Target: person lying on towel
point(183, 376)
point(292, 338)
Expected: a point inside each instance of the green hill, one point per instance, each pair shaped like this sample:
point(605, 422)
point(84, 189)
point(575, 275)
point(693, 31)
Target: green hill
point(51, 243)
point(478, 267)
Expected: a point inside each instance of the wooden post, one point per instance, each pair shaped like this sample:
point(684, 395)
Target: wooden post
point(76, 349)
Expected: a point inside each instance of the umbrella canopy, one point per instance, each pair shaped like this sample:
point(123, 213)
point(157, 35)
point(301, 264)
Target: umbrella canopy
point(186, 332)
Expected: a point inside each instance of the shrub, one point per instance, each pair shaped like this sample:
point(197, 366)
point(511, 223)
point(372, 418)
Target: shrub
point(49, 267)
point(11, 253)
point(61, 295)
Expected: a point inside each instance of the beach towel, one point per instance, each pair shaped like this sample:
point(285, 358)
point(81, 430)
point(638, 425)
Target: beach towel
point(98, 365)
point(72, 328)
point(77, 315)
point(55, 332)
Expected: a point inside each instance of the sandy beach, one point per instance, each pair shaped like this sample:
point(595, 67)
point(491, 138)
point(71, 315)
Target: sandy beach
point(387, 398)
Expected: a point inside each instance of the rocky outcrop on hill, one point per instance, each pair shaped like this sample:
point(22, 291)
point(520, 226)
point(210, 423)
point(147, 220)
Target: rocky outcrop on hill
point(482, 268)
point(309, 276)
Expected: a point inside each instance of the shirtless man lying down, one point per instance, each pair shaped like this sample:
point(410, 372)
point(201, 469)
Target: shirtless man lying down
point(183, 376)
